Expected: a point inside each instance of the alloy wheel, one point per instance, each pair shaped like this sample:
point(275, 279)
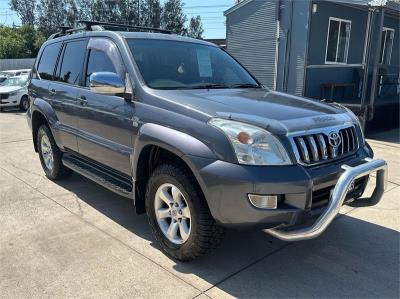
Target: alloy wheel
point(172, 213)
point(47, 152)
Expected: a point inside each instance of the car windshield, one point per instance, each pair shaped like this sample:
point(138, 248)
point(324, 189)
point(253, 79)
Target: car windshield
point(185, 65)
point(15, 82)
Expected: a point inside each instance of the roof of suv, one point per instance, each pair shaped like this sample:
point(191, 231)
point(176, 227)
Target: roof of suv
point(137, 35)
point(163, 36)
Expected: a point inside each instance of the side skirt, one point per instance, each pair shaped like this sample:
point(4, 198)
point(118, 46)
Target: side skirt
point(100, 174)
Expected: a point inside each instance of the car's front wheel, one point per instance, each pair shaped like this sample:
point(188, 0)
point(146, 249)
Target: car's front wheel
point(24, 104)
point(50, 155)
point(179, 215)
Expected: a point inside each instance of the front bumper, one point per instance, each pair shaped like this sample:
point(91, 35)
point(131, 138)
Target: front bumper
point(226, 187)
point(10, 101)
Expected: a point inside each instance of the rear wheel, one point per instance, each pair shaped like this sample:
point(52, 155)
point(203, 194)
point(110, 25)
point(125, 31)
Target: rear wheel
point(24, 104)
point(50, 155)
point(179, 215)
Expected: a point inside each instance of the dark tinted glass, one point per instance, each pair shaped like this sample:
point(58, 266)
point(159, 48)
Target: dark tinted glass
point(184, 65)
point(332, 40)
point(98, 62)
point(48, 61)
point(72, 62)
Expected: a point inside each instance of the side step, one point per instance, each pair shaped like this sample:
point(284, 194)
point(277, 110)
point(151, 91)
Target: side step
point(113, 181)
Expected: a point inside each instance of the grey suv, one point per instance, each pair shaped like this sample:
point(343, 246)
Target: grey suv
point(181, 128)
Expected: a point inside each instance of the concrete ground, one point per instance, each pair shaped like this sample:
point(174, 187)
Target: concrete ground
point(76, 239)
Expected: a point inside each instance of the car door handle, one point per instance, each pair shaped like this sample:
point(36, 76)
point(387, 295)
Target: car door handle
point(52, 92)
point(83, 100)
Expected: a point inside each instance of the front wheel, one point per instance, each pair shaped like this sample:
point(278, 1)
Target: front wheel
point(179, 215)
point(24, 104)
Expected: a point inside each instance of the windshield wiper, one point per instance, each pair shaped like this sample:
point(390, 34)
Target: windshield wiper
point(209, 86)
point(245, 85)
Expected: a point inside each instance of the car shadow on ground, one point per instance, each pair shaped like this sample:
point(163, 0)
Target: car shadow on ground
point(353, 258)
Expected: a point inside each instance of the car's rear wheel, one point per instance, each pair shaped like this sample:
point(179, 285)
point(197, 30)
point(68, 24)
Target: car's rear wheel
point(24, 104)
point(50, 155)
point(179, 215)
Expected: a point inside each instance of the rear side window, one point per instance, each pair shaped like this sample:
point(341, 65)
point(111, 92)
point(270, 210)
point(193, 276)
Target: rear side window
point(71, 68)
point(98, 62)
point(48, 61)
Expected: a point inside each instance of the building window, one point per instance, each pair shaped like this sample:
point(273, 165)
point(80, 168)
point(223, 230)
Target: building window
point(386, 45)
point(337, 47)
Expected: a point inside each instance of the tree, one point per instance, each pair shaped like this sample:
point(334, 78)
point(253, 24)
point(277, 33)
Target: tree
point(51, 14)
point(23, 42)
point(173, 17)
point(150, 13)
point(195, 28)
point(25, 9)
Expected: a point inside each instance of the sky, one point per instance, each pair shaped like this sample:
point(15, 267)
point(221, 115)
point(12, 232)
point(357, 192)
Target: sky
point(211, 12)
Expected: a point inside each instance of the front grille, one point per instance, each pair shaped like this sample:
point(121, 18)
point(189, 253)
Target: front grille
point(324, 146)
point(3, 96)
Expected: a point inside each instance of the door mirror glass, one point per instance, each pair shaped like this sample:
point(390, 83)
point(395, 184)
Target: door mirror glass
point(106, 83)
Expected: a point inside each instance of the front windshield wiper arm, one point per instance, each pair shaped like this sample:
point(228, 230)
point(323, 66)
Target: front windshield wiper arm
point(209, 86)
point(245, 85)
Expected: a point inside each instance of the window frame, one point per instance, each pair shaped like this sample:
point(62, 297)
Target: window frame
point(386, 30)
point(347, 46)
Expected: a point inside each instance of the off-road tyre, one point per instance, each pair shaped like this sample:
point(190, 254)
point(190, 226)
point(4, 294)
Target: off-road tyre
point(205, 234)
point(58, 171)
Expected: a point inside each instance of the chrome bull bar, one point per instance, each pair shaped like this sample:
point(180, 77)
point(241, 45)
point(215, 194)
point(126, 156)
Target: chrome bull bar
point(337, 198)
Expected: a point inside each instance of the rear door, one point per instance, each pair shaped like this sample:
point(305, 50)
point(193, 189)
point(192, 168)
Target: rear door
point(105, 121)
point(64, 90)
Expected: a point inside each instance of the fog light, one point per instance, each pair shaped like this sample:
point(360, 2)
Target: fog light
point(264, 201)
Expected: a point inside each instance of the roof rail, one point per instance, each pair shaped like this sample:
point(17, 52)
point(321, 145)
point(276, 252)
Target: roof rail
point(89, 24)
point(98, 26)
point(65, 30)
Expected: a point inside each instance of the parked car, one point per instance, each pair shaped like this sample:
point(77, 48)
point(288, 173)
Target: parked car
point(11, 73)
point(14, 93)
point(181, 128)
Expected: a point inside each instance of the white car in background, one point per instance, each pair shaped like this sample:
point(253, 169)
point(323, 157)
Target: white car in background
point(14, 93)
point(12, 73)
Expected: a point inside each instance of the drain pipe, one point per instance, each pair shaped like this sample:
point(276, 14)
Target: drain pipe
point(366, 56)
point(374, 81)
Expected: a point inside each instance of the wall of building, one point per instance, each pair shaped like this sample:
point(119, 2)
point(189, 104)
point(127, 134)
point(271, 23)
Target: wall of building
point(317, 49)
point(251, 33)
point(15, 64)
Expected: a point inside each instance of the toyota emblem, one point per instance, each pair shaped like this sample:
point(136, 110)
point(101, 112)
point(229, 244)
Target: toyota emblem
point(334, 139)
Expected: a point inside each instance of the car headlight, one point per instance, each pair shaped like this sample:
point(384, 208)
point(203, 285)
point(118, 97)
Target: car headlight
point(14, 93)
point(252, 145)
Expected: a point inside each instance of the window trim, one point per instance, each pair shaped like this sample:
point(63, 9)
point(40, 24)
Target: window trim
point(386, 29)
point(337, 44)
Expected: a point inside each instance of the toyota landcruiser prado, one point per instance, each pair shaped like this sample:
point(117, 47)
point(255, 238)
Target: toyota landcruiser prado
point(181, 128)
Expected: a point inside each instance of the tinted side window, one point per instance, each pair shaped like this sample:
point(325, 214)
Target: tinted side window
point(71, 68)
point(48, 61)
point(98, 62)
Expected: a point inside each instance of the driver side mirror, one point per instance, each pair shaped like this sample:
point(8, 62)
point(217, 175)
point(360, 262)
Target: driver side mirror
point(106, 83)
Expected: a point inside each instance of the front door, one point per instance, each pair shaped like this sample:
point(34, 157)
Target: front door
point(105, 121)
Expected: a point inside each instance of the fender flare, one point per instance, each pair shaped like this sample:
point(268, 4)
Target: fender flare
point(44, 108)
point(177, 142)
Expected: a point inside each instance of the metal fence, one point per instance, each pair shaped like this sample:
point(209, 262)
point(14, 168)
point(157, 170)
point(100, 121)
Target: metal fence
point(15, 64)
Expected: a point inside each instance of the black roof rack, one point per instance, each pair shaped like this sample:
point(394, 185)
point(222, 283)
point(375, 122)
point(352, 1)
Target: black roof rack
point(89, 25)
point(97, 26)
